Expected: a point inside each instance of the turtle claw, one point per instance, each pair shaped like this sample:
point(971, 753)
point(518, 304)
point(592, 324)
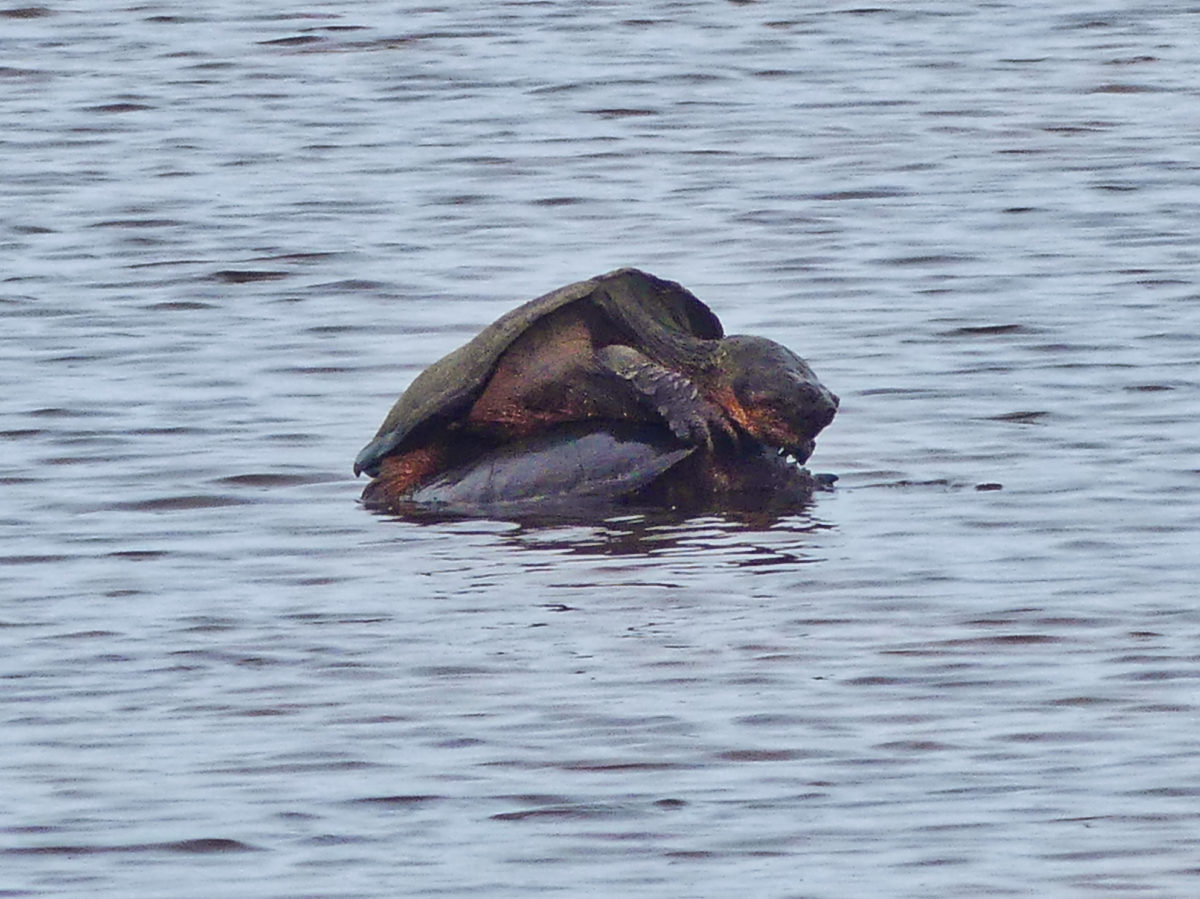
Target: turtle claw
point(691, 418)
point(691, 428)
point(683, 430)
point(700, 423)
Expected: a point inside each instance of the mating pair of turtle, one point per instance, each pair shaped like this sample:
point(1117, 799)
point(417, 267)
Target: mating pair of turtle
point(621, 385)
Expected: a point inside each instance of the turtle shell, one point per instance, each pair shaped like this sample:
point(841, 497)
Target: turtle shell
point(659, 317)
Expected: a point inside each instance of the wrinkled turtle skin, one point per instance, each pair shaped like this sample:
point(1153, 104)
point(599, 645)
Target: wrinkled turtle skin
point(625, 347)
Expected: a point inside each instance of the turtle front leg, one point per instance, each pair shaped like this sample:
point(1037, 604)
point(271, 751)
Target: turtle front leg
point(690, 416)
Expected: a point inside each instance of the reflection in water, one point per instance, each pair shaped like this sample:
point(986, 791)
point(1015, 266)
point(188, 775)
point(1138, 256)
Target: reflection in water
point(741, 539)
point(738, 540)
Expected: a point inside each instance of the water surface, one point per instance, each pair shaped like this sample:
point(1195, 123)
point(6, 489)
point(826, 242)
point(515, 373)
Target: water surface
point(232, 236)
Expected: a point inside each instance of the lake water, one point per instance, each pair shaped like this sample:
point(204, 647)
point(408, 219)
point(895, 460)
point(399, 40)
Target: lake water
point(233, 234)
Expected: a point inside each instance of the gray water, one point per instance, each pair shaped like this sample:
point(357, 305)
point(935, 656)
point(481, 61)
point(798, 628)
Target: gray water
point(231, 234)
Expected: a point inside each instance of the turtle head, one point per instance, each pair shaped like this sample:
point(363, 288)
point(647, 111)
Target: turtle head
point(772, 394)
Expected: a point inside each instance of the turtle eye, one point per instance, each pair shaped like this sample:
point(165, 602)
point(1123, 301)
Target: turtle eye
point(753, 392)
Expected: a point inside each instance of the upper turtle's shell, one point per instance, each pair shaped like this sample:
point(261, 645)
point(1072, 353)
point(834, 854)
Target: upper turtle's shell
point(654, 314)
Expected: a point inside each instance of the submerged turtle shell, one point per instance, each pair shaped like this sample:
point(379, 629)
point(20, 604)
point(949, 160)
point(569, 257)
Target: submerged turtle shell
point(594, 469)
point(659, 317)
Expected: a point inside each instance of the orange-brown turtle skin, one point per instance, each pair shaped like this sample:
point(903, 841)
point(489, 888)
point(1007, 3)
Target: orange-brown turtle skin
point(621, 347)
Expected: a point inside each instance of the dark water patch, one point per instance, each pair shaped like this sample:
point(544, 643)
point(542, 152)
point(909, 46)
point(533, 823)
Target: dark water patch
point(138, 555)
point(298, 40)
point(882, 680)
point(1125, 88)
point(11, 72)
point(460, 200)
point(1183, 791)
point(341, 29)
point(88, 459)
point(312, 370)
point(764, 755)
point(75, 358)
point(1079, 355)
point(399, 800)
point(321, 619)
point(872, 193)
point(1163, 282)
point(1132, 60)
point(202, 846)
point(185, 503)
point(1006, 640)
point(620, 767)
point(316, 256)
point(61, 412)
point(622, 112)
point(451, 35)
point(1064, 621)
point(1065, 737)
point(138, 223)
point(1078, 128)
point(236, 276)
point(28, 307)
point(1154, 675)
point(88, 635)
point(163, 263)
point(18, 559)
point(915, 746)
point(555, 202)
point(29, 229)
point(272, 712)
point(174, 20)
point(350, 285)
point(927, 260)
point(117, 108)
point(578, 812)
point(337, 839)
point(27, 12)
point(270, 479)
point(296, 439)
point(209, 625)
point(1020, 417)
point(229, 657)
point(334, 330)
point(180, 431)
point(988, 330)
point(897, 391)
point(532, 798)
point(317, 768)
point(453, 671)
point(180, 306)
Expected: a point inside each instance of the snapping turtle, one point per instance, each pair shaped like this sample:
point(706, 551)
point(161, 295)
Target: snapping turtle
point(625, 346)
